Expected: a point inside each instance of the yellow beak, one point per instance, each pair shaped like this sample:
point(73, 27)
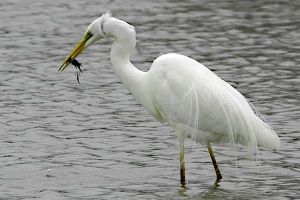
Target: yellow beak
point(74, 53)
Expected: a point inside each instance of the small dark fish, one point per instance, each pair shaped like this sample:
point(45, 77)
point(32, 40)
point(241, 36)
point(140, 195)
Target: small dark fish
point(77, 65)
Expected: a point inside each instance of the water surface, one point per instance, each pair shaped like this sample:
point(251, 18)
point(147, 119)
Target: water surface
point(62, 140)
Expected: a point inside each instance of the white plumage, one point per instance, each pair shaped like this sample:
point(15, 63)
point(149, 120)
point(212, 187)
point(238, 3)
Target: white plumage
point(197, 103)
point(181, 92)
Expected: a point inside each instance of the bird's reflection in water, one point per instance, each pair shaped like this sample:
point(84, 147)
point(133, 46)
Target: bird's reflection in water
point(216, 191)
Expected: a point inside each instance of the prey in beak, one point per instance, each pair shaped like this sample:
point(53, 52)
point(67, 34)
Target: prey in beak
point(82, 45)
point(93, 33)
point(77, 65)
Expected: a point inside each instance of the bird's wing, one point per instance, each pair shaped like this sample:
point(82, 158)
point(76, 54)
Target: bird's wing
point(193, 97)
point(199, 104)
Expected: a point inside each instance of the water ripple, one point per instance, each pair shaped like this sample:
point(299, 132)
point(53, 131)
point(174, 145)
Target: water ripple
point(61, 140)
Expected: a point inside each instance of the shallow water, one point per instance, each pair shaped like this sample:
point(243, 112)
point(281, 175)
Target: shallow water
point(62, 140)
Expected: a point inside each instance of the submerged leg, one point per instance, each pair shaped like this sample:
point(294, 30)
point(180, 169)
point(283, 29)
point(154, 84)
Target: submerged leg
point(213, 159)
point(182, 168)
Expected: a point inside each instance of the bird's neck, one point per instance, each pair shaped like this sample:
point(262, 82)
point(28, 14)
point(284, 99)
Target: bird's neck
point(130, 76)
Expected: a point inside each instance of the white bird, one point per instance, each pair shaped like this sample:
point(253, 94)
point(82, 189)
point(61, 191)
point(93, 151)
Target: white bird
point(181, 92)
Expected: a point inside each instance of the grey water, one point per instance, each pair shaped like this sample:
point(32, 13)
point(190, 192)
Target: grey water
point(64, 140)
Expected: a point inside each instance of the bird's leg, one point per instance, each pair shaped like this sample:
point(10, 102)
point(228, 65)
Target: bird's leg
point(182, 168)
point(213, 159)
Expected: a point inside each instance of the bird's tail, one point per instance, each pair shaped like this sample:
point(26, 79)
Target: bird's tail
point(266, 136)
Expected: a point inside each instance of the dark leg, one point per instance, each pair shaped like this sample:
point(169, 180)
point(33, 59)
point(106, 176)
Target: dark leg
point(213, 159)
point(182, 168)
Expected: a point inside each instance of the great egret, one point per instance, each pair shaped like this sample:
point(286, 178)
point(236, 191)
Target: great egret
point(181, 92)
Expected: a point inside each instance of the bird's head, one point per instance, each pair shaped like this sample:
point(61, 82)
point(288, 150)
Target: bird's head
point(93, 33)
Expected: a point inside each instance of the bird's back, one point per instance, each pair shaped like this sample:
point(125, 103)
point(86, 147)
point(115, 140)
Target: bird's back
point(199, 104)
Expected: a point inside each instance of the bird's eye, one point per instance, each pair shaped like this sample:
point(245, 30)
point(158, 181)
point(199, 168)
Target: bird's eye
point(102, 29)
